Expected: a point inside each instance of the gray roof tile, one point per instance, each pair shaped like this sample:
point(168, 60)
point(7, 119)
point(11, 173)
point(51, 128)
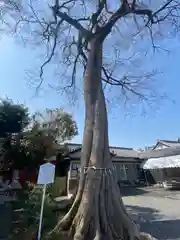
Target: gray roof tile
point(132, 153)
point(165, 152)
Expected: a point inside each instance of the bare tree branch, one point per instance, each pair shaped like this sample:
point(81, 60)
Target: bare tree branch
point(74, 22)
point(53, 49)
point(134, 85)
point(68, 31)
point(126, 8)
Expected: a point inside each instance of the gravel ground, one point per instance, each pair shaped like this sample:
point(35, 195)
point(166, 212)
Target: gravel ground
point(156, 210)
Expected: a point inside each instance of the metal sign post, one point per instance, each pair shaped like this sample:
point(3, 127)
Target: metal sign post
point(46, 176)
point(41, 214)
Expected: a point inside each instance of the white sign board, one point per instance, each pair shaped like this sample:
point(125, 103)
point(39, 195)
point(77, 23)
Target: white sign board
point(46, 176)
point(46, 173)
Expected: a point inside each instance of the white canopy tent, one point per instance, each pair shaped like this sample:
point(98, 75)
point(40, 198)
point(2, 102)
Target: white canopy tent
point(162, 162)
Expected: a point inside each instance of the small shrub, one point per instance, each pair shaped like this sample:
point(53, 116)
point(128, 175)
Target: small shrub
point(27, 220)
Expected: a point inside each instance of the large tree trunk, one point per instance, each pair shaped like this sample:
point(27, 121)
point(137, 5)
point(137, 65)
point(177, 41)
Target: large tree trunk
point(98, 211)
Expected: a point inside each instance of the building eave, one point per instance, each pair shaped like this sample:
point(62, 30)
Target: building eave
point(160, 142)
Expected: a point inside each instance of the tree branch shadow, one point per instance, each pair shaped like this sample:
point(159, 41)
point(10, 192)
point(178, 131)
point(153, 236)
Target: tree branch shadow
point(143, 214)
point(164, 229)
point(151, 221)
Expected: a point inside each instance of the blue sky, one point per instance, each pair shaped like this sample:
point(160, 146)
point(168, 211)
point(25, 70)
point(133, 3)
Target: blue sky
point(127, 131)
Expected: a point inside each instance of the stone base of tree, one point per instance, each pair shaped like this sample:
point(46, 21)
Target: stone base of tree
point(146, 236)
point(64, 202)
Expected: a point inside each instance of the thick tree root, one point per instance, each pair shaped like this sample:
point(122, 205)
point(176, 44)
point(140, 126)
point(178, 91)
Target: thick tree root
point(146, 236)
point(103, 215)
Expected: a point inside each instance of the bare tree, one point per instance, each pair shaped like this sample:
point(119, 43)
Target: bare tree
point(80, 33)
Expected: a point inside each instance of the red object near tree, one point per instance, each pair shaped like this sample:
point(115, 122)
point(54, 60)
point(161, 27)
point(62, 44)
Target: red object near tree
point(53, 162)
point(22, 177)
point(33, 177)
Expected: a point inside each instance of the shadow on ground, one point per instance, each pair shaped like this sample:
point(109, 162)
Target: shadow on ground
point(150, 221)
point(5, 220)
point(132, 191)
point(143, 214)
point(167, 229)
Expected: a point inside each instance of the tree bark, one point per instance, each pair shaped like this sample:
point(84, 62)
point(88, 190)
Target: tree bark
point(98, 211)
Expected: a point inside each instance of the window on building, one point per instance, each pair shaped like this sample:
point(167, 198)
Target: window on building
point(124, 171)
point(74, 170)
point(75, 166)
point(121, 171)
